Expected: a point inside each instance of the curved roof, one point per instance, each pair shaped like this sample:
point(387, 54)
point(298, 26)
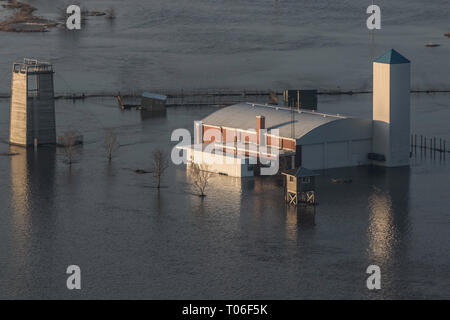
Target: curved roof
point(243, 116)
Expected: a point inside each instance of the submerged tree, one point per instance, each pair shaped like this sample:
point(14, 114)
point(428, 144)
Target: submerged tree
point(110, 14)
point(69, 142)
point(160, 164)
point(200, 178)
point(111, 144)
point(273, 97)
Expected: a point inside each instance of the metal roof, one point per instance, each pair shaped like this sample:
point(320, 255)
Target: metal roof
point(154, 96)
point(300, 172)
point(243, 116)
point(392, 57)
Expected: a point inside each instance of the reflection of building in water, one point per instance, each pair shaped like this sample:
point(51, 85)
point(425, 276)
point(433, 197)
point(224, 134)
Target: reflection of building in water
point(20, 186)
point(297, 218)
point(32, 193)
point(381, 232)
point(32, 178)
point(389, 206)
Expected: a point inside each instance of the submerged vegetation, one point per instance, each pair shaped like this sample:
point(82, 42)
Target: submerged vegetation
point(24, 19)
point(200, 177)
point(159, 165)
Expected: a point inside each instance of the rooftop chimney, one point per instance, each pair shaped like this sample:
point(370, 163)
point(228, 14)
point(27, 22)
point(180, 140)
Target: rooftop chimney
point(260, 124)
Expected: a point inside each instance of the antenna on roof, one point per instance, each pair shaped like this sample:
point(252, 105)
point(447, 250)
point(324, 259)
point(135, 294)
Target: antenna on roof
point(372, 43)
point(292, 121)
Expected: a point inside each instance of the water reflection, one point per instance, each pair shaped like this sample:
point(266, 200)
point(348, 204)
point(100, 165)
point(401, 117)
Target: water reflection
point(298, 218)
point(388, 220)
point(32, 177)
point(20, 187)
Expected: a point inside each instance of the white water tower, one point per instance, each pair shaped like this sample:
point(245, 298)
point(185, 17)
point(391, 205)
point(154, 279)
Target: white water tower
point(391, 109)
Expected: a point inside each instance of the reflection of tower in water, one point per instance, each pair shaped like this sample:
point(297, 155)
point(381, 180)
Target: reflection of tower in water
point(32, 177)
point(388, 220)
point(20, 186)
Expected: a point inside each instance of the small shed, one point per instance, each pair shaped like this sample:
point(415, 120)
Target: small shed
point(153, 102)
point(301, 99)
point(299, 185)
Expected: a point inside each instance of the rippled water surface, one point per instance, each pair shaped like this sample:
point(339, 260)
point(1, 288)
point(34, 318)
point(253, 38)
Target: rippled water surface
point(185, 44)
point(241, 241)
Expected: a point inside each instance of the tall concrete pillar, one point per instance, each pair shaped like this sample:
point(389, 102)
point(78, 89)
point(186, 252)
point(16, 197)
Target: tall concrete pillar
point(391, 109)
point(32, 104)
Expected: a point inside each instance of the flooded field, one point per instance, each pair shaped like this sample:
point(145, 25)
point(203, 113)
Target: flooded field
point(242, 44)
point(240, 242)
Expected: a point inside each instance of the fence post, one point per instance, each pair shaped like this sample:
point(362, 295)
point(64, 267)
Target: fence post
point(411, 147)
point(415, 143)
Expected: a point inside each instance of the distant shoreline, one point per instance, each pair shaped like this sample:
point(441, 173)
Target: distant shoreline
point(24, 19)
point(210, 93)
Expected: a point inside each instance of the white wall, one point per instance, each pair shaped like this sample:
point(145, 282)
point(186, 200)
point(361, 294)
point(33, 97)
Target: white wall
point(336, 154)
point(391, 112)
point(341, 143)
point(216, 163)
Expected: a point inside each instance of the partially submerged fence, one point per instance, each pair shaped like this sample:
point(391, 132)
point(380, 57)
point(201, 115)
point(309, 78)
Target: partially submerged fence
point(428, 145)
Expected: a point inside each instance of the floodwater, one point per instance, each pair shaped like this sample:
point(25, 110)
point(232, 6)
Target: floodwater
point(241, 241)
point(239, 44)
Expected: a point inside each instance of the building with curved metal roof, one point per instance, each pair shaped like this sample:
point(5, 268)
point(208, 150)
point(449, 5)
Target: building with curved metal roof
point(348, 140)
point(320, 141)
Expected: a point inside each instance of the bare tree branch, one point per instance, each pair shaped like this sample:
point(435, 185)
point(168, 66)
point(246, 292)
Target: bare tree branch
point(200, 178)
point(69, 142)
point(111, 144)
point(160, 164)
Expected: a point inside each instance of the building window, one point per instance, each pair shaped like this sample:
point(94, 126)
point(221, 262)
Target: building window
point(291, 179)
point(306, 180)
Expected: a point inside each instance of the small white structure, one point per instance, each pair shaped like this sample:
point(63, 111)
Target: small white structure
point(391, 109)
point(32, 104)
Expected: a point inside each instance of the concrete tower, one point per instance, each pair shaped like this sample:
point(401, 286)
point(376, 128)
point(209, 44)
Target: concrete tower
point(391, 109)
point(32, 104)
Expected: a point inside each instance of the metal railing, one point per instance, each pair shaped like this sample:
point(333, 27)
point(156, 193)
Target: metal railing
point(32, 66)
